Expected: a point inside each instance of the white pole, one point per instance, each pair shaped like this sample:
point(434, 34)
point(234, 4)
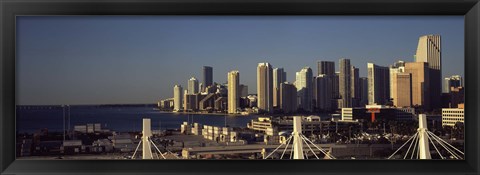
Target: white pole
point(423, 137)
point(297, 141)
point(147, 132)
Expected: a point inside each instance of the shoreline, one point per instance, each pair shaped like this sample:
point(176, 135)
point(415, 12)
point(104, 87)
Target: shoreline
point(198, 113)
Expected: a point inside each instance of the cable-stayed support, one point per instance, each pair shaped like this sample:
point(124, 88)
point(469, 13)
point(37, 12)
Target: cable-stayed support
point(420, 142)
point(296, 150)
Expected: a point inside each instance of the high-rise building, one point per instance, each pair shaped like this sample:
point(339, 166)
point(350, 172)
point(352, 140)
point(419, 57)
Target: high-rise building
point(326, 67)
point(288, 97)
point(420, 83)
point(336, 85)
point(279, 76)
point(193, 86)
point(323, 92)
point(345, 84)
point(243, 89)
point(429, 50)
point(207, 76)
point(201, 88)
point(397, 67)
point(402, 90)
point(177, 98)
point(233, 91)
point(304, 86)
point(453, 81)
point(265, 87)
point(354, 86)
point(190, 102)
point(363, 81)
point(378, 84)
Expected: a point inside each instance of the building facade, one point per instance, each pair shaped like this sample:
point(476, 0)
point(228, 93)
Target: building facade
point(451, 116)
point(279, 76)
point(344, 83)
point(429, 50)
point(193, 86)
point(420, 83)
point(265, 87)
point(453, 81)
point(402, 90)
point(207, 76)
point(355, 86)
point(363, 84)
point(322, 92)
point(233, 91)
point(304, 86)
point(378, 84)
point(288, 97)
point(177, 98)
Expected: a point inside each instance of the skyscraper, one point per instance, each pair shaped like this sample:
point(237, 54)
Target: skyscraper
point(304, 86)
point(177, 98)
point(192, 86)
point(344, 82)
point(420, 83)
point(397, 67)
point(354, 86)
point(279, 76)
point(336, 85)
point(402, 90)
point(326, 67)
point(378, 84)
point(323, 92)
point(233, 91)
point(207, 76)
point(243, 90)
point(363, 84)
point(265, 87)
point(453, 81)
point(288, 97)
point(429, 50)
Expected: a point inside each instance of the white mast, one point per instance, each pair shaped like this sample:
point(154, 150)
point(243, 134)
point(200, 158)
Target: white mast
point(147, 133)
point(423, 144)
point(297, 140)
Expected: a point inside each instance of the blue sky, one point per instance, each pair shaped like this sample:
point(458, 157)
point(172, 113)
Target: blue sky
point(138, 59)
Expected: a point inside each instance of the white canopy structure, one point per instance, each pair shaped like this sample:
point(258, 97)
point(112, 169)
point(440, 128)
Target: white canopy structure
point(419, 147)
point(147, 143)
point(297, 151)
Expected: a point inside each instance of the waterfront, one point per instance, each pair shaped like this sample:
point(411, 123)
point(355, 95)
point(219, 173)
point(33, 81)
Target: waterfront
point(121, 119)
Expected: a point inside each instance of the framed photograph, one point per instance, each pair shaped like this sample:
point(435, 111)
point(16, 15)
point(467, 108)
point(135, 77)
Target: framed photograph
point(214, 87)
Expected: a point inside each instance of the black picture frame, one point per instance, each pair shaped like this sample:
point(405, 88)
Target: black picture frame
point(9, 9)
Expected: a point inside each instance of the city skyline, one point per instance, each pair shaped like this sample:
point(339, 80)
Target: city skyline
point(37, 84)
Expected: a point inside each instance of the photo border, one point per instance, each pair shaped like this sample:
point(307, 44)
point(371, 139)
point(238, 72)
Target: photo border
point(9, 9)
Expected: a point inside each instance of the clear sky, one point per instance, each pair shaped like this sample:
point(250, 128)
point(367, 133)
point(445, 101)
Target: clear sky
point(138, 59)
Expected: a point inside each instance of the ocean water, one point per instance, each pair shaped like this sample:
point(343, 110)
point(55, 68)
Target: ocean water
point(121, 119)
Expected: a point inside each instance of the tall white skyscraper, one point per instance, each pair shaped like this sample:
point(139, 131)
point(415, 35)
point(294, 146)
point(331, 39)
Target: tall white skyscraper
point(304, 86)
point(177, 98)
point(279, 76)
point(265, 87)
point(192, 86)
point(233, 91)
point(429, 50)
